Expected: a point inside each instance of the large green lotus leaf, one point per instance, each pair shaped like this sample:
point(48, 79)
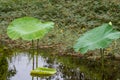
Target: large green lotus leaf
point(42, 72)
point(28, 28)
point(99, 37)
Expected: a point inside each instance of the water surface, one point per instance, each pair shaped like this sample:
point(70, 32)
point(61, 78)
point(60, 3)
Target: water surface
point(17, 65)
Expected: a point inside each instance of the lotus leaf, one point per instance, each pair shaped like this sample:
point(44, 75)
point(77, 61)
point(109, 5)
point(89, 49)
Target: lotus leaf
point(42, 71)
point(99, 37)
point(28, 28)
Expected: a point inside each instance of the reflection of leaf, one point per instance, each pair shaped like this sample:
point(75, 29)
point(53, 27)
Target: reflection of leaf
point(99, 37)
point(28, 28)
point(43, 72)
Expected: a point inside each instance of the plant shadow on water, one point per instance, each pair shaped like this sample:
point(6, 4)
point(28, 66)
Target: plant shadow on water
point(17, 65)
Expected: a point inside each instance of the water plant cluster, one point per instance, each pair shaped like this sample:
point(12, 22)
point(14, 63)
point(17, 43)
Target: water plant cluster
point(29, 28)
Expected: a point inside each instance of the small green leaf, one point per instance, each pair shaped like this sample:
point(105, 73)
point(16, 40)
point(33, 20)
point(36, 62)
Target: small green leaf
point(99, 37)
point(41, 72)
point(28, 28)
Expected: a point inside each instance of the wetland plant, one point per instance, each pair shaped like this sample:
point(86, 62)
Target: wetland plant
point(30, 29)
point(43, 72)
point(97, 38)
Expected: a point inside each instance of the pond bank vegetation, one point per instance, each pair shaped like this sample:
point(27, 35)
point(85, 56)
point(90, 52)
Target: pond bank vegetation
point(72, 18)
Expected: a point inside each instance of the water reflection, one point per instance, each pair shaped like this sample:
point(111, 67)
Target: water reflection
point(23, 63)
point(3, 67)
point(19, 64)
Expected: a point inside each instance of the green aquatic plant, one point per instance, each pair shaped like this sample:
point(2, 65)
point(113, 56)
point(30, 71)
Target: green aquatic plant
point(97, 38)
point(28, 28)
point(42, 71)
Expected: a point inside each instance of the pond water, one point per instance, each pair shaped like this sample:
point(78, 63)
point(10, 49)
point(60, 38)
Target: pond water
point(16, 65)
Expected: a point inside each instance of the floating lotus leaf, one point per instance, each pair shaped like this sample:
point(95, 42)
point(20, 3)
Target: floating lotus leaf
point(99, 37)
point(42, 72)
point(28, 28)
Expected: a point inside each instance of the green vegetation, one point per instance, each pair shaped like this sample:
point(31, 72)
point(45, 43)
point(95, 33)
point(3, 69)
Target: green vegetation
point(28, 28)
point(3, 67)
point(41, 72)
point(29, 21)
point(97, 38)
point(71, 18)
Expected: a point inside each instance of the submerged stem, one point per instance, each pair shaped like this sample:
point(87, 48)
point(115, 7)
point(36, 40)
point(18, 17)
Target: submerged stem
point(33, 53)
point(37, 53)
point(37, 43)
point(102, 55)
point(102, 61)
point(33, 57)
point(32, 44)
